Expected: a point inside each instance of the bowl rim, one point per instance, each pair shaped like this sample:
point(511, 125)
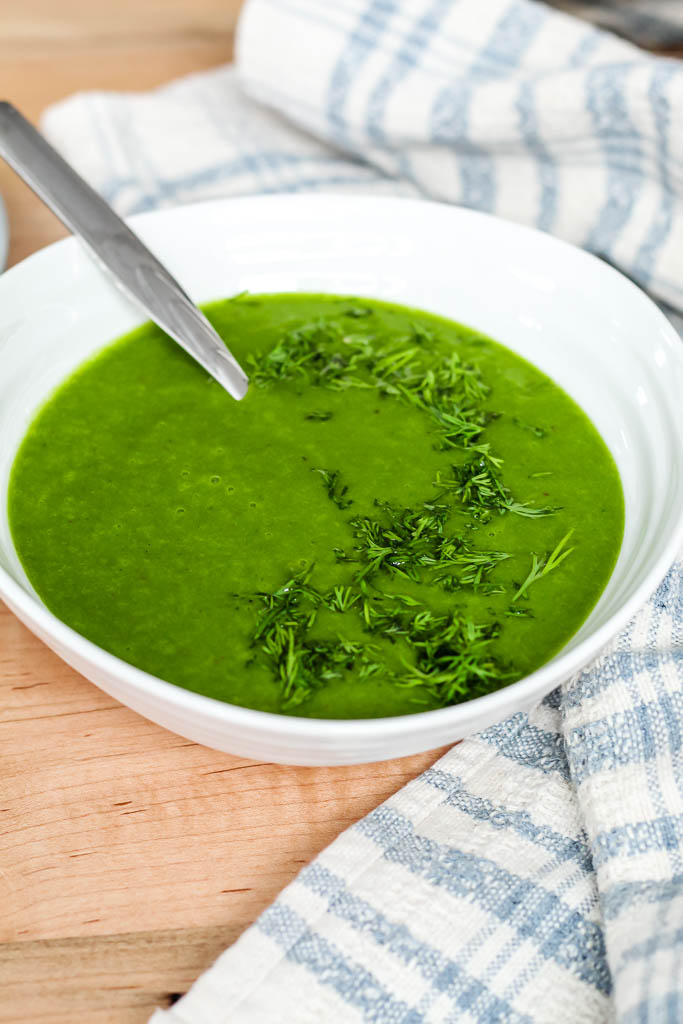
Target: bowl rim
point(492, 706)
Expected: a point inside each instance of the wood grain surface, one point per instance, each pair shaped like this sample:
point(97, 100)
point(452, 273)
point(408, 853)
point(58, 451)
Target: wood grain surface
point(129, 857)
point(99, 24)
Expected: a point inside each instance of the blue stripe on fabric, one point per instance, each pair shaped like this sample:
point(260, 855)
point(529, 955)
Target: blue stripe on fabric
point(623, 664)
point(505, 47)
point(136, 153)
point(245, 164)
point(546, 164)
point(215, 113)
point(625, 895)
point(618, 668)
point(656, 789)
point(635, 736)
point(660, 228)
point(651, 945)
point(564, 848)
point(559, 932)
point(353, 982)
point(179, 191)
point(412, 48)
point(359, 45)
point(587, 46)
point(393, 32)
point(660, 1009)
point(445, 975)
point(520, 741)
point(146, 203)
point(621, 144)
point(669, 594)
point(635, 838)
point(657, 801)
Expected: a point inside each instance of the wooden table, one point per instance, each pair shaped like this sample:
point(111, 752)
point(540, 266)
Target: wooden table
point(129, 857)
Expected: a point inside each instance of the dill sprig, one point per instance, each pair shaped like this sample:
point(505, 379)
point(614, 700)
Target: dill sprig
point(286, 605)
point(448, 389)
point(300, 352)
point(404, 541)
point(447, 655)
point(409, 541)
point(540, 567)
point(479, 486)
point(301, 662)
point(474, 566)
point(336, 490)
point(340, 598)
point(451, 658)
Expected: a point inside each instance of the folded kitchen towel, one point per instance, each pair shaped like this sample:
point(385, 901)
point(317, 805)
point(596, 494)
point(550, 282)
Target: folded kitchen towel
point(535, 873)
point(508, 106)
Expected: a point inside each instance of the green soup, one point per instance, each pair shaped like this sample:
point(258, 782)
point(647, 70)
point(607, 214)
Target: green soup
point(401, 514)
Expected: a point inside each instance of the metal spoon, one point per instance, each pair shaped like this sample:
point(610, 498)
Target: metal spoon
point(115, 248)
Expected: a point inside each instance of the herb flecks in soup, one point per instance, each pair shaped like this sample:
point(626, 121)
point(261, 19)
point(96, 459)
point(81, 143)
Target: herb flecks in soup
point(401, 514)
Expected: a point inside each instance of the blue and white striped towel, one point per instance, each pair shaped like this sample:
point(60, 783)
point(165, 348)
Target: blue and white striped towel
point(536, 872)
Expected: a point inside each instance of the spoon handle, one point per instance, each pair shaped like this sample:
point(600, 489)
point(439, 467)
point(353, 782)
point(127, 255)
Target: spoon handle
point(115, 248)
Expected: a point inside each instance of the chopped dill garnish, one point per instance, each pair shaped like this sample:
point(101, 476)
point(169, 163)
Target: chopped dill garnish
point(302, 351)
point(411, 541)
point(321, 416)
point(286, 604)
point(449, 390)
point(479, 486)
point(451, 393)
point(404, 541)
point(474, 566)
point(452, 660)
point(340, 599)
point(540, 567)
point(301, 663)
point(446, 656)
point(368, 668)
point(334, 487)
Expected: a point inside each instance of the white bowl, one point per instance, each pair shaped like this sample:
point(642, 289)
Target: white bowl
point(580, 321)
